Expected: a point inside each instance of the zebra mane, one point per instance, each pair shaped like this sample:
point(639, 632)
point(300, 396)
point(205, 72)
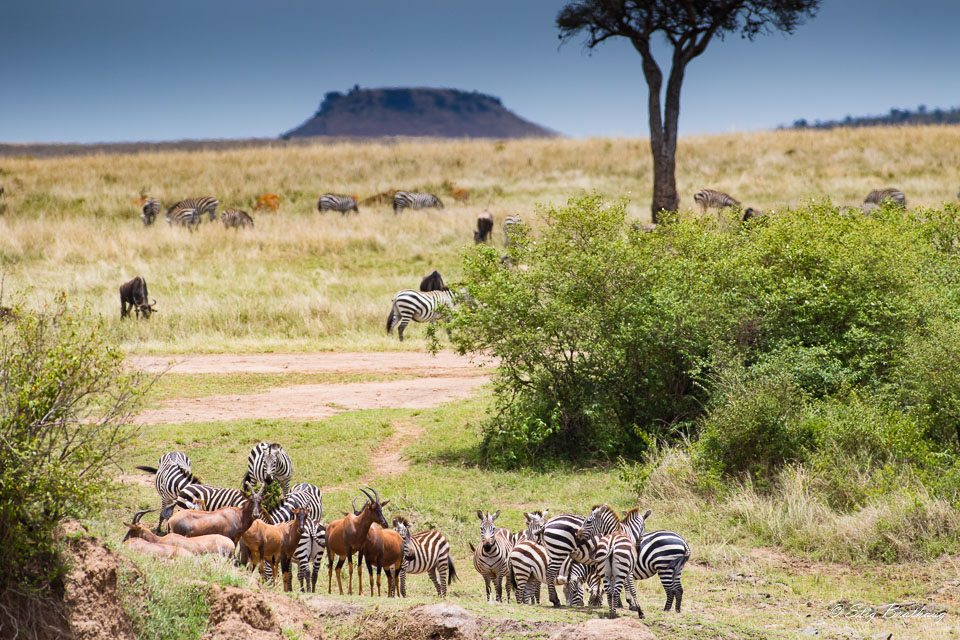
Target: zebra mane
point(402, 520)
point(630, 511)
point(606, 507)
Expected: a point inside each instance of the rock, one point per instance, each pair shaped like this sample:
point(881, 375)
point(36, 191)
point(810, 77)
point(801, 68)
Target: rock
point(239, 613)
point(622, 628)
point(810, 631)
point(331, 608)
point(444, 620)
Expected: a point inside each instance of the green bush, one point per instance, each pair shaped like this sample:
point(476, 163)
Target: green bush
point(64, 404)
point(609, 336)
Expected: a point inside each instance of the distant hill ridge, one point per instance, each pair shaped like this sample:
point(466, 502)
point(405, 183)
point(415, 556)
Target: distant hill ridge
point(896, 117)
point(445, 113)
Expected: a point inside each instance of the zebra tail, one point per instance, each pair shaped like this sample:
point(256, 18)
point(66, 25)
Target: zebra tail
point(147, 469)
point(513, 577)
point(452, 571)
point(678, 564)
point(392, 317)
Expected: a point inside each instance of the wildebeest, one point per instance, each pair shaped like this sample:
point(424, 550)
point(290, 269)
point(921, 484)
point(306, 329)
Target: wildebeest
point(150, 210)
point(877, 196)
point(134, 294)
point(753, 213)
point(432, 282)
point(484, 228)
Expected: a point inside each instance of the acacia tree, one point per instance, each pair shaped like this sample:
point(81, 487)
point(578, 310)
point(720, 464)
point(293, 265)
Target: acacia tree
point(688, 26)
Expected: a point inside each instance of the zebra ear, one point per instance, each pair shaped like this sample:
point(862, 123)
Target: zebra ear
point(480, 514)
point(472, 548)
point(494, 517)
point(647, 514)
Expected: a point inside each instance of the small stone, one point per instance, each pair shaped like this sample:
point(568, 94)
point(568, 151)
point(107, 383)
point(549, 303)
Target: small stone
point(810, 631)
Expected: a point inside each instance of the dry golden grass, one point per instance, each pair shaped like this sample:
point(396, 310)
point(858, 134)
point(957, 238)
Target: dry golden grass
point(305, 281)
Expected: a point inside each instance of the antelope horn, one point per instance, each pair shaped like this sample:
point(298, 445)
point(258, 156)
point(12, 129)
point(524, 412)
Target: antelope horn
point(375, 494)
point(140, 514)
point(354, 503)
point(369, 497)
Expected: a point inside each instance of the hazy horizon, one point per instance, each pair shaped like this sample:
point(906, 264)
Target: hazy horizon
point(113, 71)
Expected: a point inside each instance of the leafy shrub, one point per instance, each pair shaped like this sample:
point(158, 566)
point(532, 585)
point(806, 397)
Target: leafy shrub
point(64, 404)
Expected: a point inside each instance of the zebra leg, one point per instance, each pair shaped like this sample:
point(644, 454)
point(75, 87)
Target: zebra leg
point(665, 579)
point(632, 588)
point(553, 570)
point(404, 321)
point(499, 585)
point(403, 582)
point(433, 577)
point(316, 572)
point(444, 574)
point(302, 577)
point(486, 585)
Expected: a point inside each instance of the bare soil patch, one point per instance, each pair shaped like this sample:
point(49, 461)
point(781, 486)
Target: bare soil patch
point(444, 363)
point(388, 458)
point(316, 401)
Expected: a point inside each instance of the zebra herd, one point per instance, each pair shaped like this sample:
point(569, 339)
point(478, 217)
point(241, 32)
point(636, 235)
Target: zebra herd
point(188, 213)
point(601, 551)
point(713, 199)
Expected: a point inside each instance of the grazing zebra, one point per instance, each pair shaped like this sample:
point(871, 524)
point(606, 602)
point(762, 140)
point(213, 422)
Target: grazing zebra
point(425, 551)
point(528, 569)
point(150, 210)
point(171, 475)
point(511, 225)
point(711, 198)
point(234, 218)
point(334, 202)
point(491, 557)
point(616, 557)
point(583, 575)
point(205, 204)
point(184, 217)
point(559, 539)
point(878, 196)
point(427, 306)
point(268, 462)
point(407, 200)
point(205, 497)
point(302, 496)
point(663, 553)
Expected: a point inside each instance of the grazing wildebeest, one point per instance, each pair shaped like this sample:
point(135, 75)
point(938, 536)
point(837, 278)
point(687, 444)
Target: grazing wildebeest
point(484, 228)
point(878, 196)
point(134, 294)
point(432, 282)
point(753, 213)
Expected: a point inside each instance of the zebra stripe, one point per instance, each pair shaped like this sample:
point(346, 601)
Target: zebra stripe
point(205, 497)
point(204, 204)
point(335, 202)
point(492, 555)
point(426, 551)
point(151, 208)
point(407, 200)
point(633, 523)
point(172, 474)
point(603, 520)
point(234, 218)
point(559, 539)
point(511, 225)
point(184, 217)
point(663, 553)
point(268, 462)
point(528, 569)
point(877, 196)
point(313, 542)
point(302, 496)
point(420, 306)
point(711, 198)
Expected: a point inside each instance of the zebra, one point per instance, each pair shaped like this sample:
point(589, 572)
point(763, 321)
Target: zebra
point(491, 557)
point(205, 497)
point(528, 569)
point(663, 553)
point(425, 551)
point(603, 522)
point(313, 542)
point(233, 218)
point(302, 496)
point(204, 204)
point(334, 202)
point(150, 210)
point(583, 575)
point(633, 523)
point(426, 306)
point(616, 557)
point(268, 462)
point(171, 475)
point(184, 217)
point(711, 198)
point(878, 196)
point(535, 521)
point(511, 225)
point(407, 200)
point(558, 537)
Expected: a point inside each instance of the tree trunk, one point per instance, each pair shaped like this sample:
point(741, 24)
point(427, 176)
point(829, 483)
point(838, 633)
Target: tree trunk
point(665, 196)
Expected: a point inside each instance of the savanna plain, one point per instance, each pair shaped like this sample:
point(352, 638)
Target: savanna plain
point(301, 282)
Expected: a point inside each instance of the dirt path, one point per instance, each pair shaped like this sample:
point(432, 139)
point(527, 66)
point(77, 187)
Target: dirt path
point(316, 401)
point(444, 363)
point(440, 379)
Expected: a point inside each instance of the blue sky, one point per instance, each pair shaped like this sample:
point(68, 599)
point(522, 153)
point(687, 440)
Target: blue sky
point(119, 70)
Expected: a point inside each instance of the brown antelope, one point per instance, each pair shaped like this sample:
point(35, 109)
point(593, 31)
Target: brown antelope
point(275, 544)
point(213, 543)
point(348, 535)
point(157, 548)
point(268, 201)
point(384, 548)
point(231, 522)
